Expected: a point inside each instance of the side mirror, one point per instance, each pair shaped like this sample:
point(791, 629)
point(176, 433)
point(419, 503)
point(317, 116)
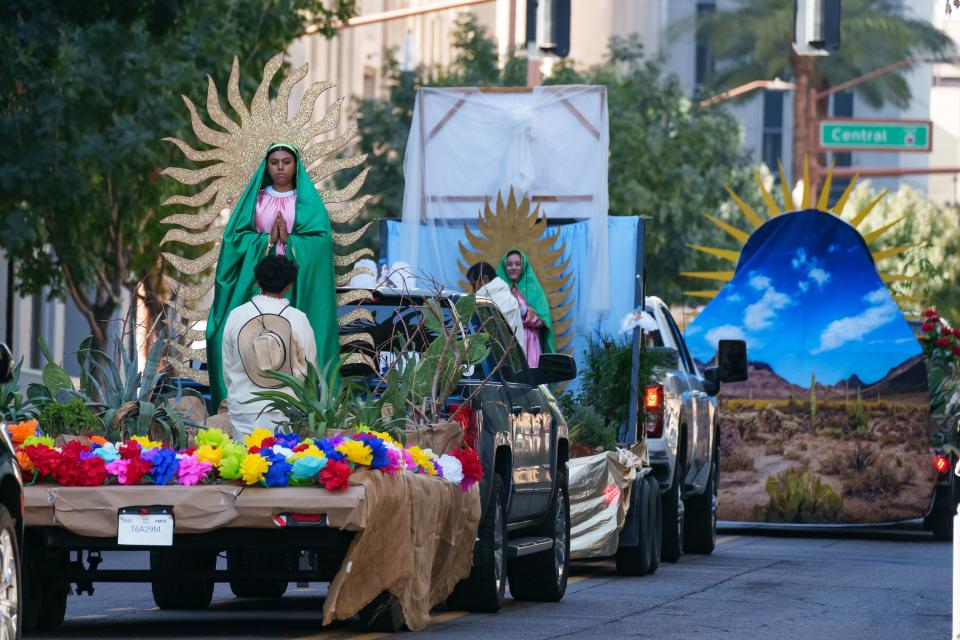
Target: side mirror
point(711, 380)
point(732, 360)
point(669, 357)
point(6, 364)
point(556, 367)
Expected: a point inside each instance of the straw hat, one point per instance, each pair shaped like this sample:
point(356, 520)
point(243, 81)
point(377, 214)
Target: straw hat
point(264, 343)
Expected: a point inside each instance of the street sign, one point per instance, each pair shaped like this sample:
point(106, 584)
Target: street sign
point(876, 135)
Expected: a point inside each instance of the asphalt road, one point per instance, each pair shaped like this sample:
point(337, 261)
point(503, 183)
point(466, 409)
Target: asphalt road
point(753, 586)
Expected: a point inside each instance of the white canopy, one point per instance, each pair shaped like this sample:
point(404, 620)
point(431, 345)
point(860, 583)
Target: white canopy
point(467, 144)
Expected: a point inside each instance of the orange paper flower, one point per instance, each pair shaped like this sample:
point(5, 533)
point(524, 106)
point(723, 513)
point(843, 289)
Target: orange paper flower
point(97, 440)
point(24, 461)
point(22, 430)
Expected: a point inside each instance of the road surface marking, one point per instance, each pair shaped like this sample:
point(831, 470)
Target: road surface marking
point(723, 539)
point(346, 633)
point(575, 579)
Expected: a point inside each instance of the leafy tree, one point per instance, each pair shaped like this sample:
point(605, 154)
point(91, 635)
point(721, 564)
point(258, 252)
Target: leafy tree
point(89, 89)
point(752, 41)
point(668, 158)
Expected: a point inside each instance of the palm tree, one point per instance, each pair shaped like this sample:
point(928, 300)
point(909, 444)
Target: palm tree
point(754, 41)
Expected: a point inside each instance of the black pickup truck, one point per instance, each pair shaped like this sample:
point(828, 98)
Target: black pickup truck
point(521, 436)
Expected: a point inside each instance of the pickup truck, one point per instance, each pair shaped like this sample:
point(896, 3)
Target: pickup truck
point(514, 421)
point(11, 520)
point(681, 425)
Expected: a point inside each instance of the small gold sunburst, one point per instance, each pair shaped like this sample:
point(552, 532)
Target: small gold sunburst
point(234, 152)
point(514, 225)
point(756, 221)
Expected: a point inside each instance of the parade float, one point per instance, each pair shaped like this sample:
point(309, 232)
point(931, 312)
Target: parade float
point(375, 493)
point(834, 424)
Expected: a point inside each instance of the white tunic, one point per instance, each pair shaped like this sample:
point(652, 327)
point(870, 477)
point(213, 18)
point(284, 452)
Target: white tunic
point(240, 389)
point(499, 291)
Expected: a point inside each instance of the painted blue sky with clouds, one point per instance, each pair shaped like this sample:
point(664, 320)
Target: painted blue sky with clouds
point(807, 297)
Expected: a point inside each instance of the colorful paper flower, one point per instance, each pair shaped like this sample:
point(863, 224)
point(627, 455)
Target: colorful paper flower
point(212, 437)
point(107, 452)
point(46, 441)
point(24, 461)
point(118, 469)
point(146, 443)
point(97, 440)
point(278, 474)
point(335, 475)
point(422, 461)
point(231, 460)
point(91, 472)
point(165, 464)
point(287, 440)
point(20, 431)
point(329, 447)
point(356, 452)
point(472, 469)
point(209, 453)
point(306, 468)
point(452, 468)
point(256, 438)
point(307, 450)
point(192, 471)
point(43, 458)
point(253, 468)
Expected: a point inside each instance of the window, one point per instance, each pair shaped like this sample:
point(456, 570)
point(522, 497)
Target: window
point(704, 62)
point(772, 129)
point(842, 107)
point(678, 339)
point(503, 344)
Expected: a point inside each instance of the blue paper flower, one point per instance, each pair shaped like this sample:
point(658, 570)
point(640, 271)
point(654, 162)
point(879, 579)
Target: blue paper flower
point(287, 440)
point(277, 474)
point(380, 458)
point(307, 468)
point(329, 447)
point(165, 464)
point(107, 452)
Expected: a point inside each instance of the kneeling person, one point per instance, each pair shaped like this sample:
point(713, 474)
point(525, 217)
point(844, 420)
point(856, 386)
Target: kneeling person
point(265, 334)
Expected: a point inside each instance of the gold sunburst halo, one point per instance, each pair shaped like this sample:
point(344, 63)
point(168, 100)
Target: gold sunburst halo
point(515, 225)
point(907, 302)
point(233, 153)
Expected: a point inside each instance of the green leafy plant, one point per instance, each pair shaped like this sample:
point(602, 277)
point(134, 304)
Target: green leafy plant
point(798, 496)
point(73, 417)
point(588, 427)
point(13, 406)
point(312, 405)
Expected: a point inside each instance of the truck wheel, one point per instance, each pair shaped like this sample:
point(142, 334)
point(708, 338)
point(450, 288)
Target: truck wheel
point(382, 614)
point(44, 601)
point(240, 558)
point(542, 577)
point(656, 519)
point(701, 526)
point(940, 519)
point(185, 593)
point(673, 517)
point(11, 602)
point(483, 590)
point(636, 561)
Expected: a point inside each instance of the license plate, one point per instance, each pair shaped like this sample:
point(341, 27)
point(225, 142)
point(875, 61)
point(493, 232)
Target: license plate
point(145, 526)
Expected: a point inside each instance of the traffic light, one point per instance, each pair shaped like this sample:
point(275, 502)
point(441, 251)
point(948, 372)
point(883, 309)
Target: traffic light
point(816, 27)
point(548, 24)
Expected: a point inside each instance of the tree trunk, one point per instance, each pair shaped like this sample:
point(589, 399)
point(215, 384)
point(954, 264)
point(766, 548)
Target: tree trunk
point(804, 74)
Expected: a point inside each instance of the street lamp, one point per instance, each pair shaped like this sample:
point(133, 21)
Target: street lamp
point(770, 85)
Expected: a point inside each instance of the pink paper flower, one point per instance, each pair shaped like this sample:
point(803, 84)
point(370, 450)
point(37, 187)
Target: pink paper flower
point(118, 468)
point(192, 471)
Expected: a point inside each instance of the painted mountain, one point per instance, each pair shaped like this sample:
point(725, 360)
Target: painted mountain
point(836, 406)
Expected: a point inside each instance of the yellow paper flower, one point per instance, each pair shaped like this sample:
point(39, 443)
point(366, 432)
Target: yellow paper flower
point(257, 437)
point(356, 452)
point(146, 443)
point(207, 453)
point(253, 468)
point(423, 460)
point(311, 450)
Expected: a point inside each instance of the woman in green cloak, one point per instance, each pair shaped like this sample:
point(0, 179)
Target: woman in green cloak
point(279, 212)
point(534, 307)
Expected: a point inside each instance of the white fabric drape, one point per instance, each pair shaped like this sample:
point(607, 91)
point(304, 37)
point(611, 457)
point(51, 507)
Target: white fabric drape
point(550, 143)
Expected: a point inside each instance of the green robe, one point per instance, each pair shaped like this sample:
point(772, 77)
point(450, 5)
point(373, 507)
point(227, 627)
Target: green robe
point(310, 246)
point(533, 293)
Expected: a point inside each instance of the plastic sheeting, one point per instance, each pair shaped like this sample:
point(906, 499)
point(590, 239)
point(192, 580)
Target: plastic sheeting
point(550, 143)
point(621, 269)
point(599, 488)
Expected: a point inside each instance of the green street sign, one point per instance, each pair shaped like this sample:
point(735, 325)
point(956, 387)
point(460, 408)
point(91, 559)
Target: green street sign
point(876, 135)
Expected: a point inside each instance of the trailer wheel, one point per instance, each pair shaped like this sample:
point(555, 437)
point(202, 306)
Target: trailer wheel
point(44, 601)
point(240, 558)
point(542, 577)
point(184, 593)
point(484, 589)
point(636, 561)
point(673, 518)
point(382, 614)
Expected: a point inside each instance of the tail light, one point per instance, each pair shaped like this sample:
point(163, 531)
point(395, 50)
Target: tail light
point(941, 464)
point(469, 421)
point(653, 410)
